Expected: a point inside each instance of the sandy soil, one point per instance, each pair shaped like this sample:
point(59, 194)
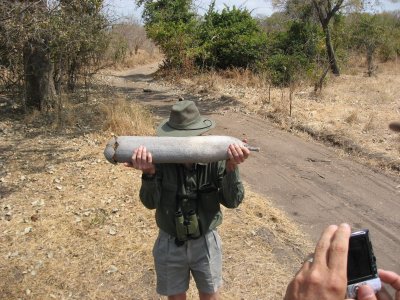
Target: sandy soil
point(315, 184)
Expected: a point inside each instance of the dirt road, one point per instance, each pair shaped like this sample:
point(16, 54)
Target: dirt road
point(313, 183)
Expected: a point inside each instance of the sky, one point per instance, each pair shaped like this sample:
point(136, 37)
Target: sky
point(128, 8)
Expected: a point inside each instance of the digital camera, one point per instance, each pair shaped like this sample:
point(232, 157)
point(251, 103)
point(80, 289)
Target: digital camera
point(361, 264)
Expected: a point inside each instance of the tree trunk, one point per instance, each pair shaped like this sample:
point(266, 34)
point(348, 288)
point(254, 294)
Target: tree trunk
point(330, 51)
point(370, 61)
point(72, 68)
point(58, 76)
point(318, 85)
point(39, 82)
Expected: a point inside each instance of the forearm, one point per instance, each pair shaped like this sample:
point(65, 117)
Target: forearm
point(150, 192)
point(232, 189)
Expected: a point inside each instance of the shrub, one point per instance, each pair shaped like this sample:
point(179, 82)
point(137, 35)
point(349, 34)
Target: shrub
point(231, 38)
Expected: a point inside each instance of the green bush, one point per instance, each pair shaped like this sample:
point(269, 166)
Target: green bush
point(285, 69)
point(292, 53)
point(171, 24)
point(231, 38)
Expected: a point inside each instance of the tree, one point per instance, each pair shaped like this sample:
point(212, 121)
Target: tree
point(324, 10)
point(171, 24)
point(367, 35)
point(231, 38)
point(390, 23)
point(292, 52)
point(38, 67)
point(41, 44)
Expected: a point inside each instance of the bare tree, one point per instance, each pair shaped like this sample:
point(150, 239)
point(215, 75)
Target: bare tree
point(41, 44)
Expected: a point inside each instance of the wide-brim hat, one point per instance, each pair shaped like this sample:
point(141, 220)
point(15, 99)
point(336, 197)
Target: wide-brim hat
point(184, 120)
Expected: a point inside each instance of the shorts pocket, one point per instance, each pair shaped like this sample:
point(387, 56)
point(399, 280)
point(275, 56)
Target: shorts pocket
point(160, 249)
point(214, 246)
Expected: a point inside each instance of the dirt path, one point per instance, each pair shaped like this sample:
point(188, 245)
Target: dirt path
point(313, 183)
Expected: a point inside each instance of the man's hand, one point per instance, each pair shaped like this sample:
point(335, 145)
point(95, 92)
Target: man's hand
point(142, 160)
point(326, 276)
point(237, 154)
point(367, 293)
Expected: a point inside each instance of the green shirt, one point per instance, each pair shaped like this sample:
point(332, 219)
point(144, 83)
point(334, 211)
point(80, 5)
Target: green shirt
point(207, 185)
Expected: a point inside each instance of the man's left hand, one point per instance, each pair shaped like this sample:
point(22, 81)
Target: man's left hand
point(237, 154)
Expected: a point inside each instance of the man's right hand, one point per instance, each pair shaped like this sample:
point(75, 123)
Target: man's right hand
point(142, 160)
point(367, 293)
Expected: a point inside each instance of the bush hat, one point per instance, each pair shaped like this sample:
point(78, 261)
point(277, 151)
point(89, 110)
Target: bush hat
point(184, 120)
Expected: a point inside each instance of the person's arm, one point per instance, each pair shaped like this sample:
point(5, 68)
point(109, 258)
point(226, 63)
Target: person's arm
point(232, 193)
point(150, 191)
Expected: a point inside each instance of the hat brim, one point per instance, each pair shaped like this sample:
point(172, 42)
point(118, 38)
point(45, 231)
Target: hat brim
point(164, 129)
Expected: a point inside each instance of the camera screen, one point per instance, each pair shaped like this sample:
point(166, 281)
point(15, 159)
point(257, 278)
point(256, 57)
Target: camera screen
point(359, 261)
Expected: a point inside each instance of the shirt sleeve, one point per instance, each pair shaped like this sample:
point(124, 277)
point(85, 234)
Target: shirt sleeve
point(150, 191)
point(232, 188)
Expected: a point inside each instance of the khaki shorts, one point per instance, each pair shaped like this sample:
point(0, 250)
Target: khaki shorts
point(201, 257)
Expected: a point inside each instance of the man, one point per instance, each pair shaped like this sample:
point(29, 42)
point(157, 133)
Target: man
point(187, 200)
point(325, 277)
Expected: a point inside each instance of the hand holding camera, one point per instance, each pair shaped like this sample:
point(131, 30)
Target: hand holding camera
point(329, 276)
point(325, 277)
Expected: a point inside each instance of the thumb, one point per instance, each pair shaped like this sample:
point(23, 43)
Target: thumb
point(365, 292)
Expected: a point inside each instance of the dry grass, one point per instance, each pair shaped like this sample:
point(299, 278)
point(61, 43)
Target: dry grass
point(73, 227)
point(352, 118)
point(141, 58)
point(127, 118)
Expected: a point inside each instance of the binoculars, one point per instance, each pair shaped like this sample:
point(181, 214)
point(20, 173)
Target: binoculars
point(187, 227)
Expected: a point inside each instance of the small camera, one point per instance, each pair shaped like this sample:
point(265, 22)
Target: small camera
point(361, 264)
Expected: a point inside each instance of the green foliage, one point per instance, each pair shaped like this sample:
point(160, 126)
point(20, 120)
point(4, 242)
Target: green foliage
point(293, 52)
point(367, 33)
point(79, 38)
point(231, 38)
point(284, 69)
point(297, 43)
point(166, 11)
point(171, 24)
point(390, 39)
point(379, 33)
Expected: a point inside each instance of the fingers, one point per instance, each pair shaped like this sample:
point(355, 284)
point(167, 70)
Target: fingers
point(338, 250)
point(238, 153)
point(390, 278)
point(321, 250)
point(141, 159)
point(365, 292)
